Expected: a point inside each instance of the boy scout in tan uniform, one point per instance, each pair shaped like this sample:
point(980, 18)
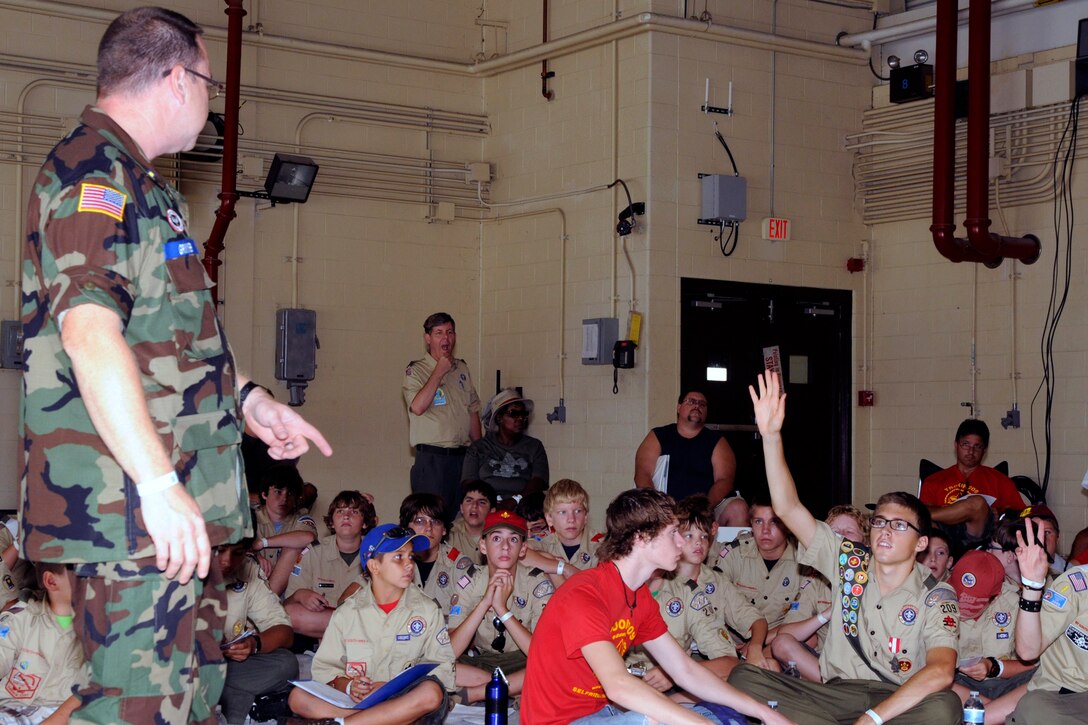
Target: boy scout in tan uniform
point(813, 598)
point(771, 591)
point(322, 569)
point(381, 630)
point(584, 558)
point(449, 566)
point(891, 648)
point(1055, 624)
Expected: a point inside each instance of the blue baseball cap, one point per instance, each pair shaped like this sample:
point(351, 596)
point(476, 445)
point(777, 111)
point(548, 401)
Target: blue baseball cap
point(390, 537)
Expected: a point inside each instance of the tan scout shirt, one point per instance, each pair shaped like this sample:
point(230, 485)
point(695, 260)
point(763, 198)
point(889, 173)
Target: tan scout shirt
point(39, 661)
point(532, 589)
point(691, 615)
point(814, 597)
point(266, 528)
point(322, 570)
point(362, 639)
point(992, 633)
point(1065, 625)
point(910, 620)
point(584, 558)
point(252, 605)
point(771, 591)
point(465, 541)
point(739, 612)
point(446, 422)
point(447, 569)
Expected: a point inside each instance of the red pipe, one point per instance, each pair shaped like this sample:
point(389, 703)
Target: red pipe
point(229, 194)
point(980, 245)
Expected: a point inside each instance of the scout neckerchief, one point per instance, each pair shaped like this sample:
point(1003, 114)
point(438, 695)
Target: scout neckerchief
point(853, 579)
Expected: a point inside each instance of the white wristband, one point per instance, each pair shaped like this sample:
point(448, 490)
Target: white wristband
point(506, 616)
point(1000, 667)
point(347, 688)
point(876, 718)
point(821, 618)
point(1031, 583)
point(559, 568)
point(264, 542)
point(157, 485)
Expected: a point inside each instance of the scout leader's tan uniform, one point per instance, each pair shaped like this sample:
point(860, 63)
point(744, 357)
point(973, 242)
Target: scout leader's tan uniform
point(893, 630)
point(531, 591)
point(772, 591)
point(447, 569)
point(362, 639)
point(992, 633)
point(39, 660)
point(814, 598)
point(465, 541)
point(584, 558)
point(1064, 620)
point(251, 604)
point(446, 423)
point(322, 569)
point(293, 522)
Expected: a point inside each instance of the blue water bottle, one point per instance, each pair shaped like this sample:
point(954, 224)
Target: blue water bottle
point(496, 699)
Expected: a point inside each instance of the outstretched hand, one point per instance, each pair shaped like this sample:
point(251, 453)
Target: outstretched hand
point(1031, 556)
point(286, 433)
point(769, 404)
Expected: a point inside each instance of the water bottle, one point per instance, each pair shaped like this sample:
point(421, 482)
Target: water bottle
point(496, 699)
point(791, 670)
point(973, 710)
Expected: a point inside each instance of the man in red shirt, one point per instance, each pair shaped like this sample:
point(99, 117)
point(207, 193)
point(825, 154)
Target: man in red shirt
point(948, 493)
point(576, 673)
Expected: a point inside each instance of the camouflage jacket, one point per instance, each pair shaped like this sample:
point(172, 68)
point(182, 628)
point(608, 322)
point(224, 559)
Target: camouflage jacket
point(104, 228)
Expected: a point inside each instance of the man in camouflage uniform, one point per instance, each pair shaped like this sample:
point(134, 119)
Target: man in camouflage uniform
point(132, 409)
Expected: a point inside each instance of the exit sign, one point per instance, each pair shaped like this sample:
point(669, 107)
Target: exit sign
point(776, 230)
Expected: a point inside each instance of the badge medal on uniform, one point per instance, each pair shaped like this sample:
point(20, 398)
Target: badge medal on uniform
point(893, 646)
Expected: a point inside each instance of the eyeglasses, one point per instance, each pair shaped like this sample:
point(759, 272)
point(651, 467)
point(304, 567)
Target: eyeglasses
point(695, 403)
point(977, 447)
point(499, 643)
point(516, 413)
point(879, 522)
point(397, 532)
point(425, 522)
point(215, 88)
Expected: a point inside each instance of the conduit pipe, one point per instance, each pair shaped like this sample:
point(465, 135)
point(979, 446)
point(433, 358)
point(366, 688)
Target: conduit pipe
point(980, 245)
point(228, 196)
point(923, 25)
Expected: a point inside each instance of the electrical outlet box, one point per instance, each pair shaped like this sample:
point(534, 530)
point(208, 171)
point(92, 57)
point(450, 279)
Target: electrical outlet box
point(11, 345)
point(599, 336)
point(296, 344)
point(479, 171)
point(725, 198)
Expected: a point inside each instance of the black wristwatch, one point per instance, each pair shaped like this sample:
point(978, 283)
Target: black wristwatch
point(256, 644)
point(245, 391)
point(995, 668)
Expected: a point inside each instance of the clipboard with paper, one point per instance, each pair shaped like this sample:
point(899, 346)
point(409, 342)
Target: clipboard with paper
point(390, 689)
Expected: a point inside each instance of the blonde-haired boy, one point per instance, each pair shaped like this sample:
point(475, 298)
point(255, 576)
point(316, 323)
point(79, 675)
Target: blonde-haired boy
point(566, 509)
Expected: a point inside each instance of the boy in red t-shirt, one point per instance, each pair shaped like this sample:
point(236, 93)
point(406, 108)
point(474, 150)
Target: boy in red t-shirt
point(576, 672)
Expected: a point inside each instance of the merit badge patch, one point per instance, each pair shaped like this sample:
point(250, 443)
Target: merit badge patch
point(355, 669)
point(102, 200)
point(175, 221)
point(1054, 598)
point(416, 626)
point(674, 607)
point(908, 614)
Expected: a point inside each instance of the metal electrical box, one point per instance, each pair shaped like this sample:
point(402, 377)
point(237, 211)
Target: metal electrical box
point(296, 350)
point(725, 198)
point(599, 336)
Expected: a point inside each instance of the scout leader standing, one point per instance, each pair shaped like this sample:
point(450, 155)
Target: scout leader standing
point(891, 649)
point(132, 408)
point(443, 412)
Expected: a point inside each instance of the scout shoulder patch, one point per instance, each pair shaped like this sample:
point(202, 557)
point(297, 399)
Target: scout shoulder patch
point(102, 200)
point(1055, 599)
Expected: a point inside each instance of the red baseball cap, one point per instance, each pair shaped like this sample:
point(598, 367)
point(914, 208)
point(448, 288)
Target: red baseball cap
point(505, 519)
point(977, 579)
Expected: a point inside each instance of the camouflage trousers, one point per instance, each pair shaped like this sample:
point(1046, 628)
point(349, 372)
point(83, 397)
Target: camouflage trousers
point(152, 644)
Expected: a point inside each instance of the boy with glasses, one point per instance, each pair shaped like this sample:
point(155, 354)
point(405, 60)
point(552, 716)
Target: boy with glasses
point(496, 608)
point(439, 566)
point(386, 627)
point(326, 569)
point(956, 495)
point(891, 648)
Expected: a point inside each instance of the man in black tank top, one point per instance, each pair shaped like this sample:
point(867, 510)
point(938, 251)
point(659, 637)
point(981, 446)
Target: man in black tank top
point(700, 460)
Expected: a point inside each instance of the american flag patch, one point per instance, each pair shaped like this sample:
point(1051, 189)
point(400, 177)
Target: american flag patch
point(103, 200)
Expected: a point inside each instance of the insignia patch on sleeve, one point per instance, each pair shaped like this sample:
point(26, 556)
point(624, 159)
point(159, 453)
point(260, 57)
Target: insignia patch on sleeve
point(102, 200)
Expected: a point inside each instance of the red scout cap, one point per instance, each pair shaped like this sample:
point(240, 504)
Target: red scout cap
point(977, 579)
point(507, 520)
